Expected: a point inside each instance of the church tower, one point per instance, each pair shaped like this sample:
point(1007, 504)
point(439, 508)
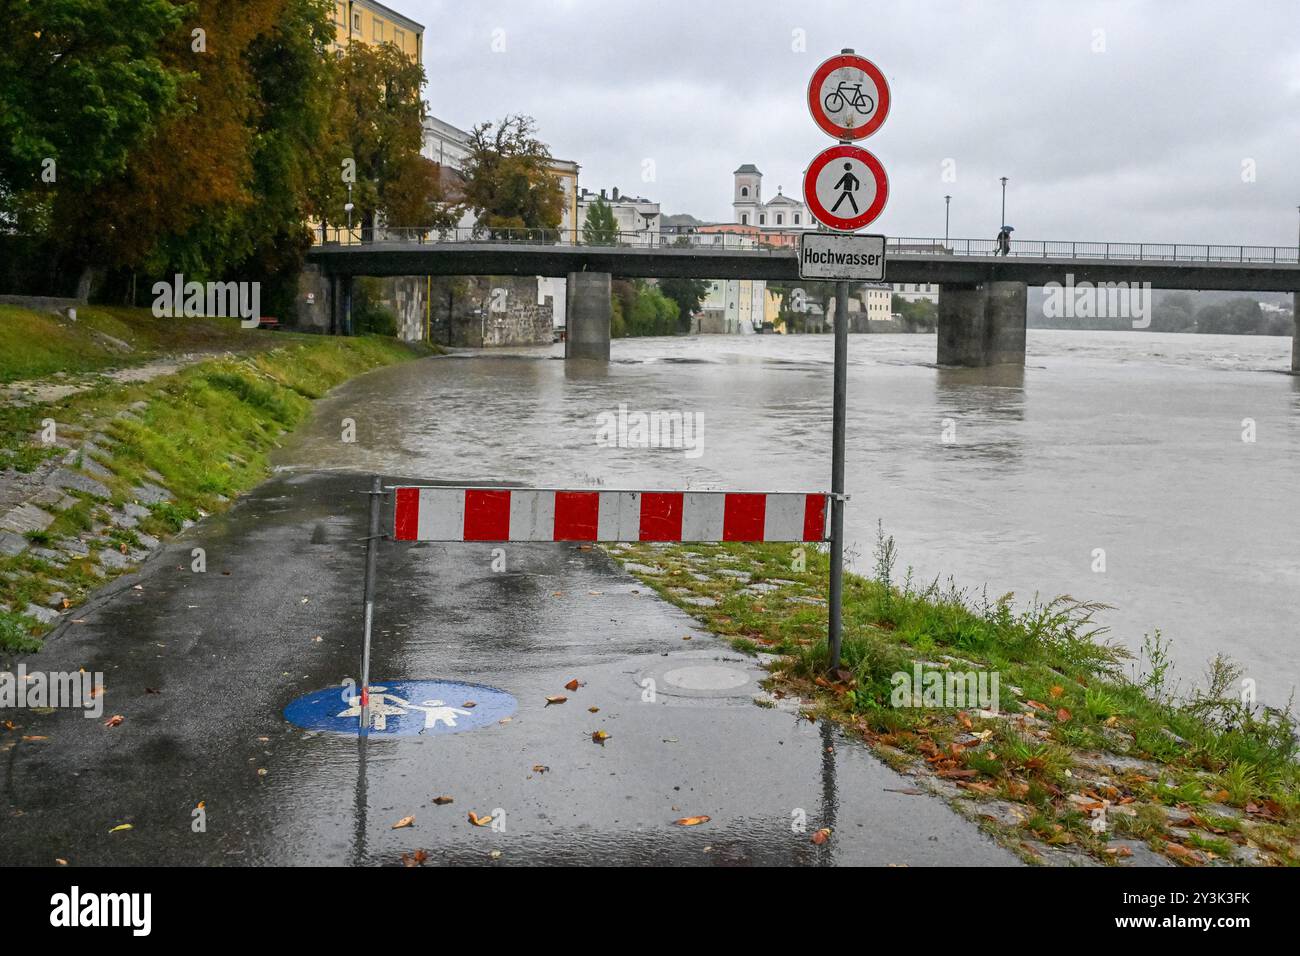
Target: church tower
point(748, 197)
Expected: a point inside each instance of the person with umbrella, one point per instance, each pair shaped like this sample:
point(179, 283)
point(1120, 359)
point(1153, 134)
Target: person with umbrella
point(1004, 241)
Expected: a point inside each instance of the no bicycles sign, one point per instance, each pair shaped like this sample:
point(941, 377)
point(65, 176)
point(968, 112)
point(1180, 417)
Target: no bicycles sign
point(848, 97)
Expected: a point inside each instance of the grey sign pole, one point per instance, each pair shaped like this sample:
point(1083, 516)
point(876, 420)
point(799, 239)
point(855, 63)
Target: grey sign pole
point(840, 399)
point(372, 554)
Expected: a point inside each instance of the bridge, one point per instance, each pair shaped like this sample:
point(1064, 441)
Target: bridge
point(983, 296)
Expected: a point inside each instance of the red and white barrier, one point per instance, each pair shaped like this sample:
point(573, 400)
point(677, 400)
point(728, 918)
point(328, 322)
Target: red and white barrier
point(515, 514)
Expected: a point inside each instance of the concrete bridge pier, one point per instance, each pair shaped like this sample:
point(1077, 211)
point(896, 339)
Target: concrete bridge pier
point(588, 315)
point(982, 323)
point(1295, 334)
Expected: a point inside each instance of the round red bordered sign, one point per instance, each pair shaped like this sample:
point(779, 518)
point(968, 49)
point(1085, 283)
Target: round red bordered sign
point(848, 96)
point(845, 187)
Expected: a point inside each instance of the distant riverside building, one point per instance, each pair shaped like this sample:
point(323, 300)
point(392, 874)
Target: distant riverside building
point(364, 21)
point(448, 146)
point(637, 218)
point(916, 291)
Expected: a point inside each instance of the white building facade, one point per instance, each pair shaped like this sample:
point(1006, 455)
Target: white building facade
point(636, 217)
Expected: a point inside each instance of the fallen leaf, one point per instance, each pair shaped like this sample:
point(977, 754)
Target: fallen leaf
point(555, 699)
point(593, 710)
point(821, 836)
point(1119, 851)
point(35, 737)
point(479, 821)
point(442, 801)
point(495, 854)
point(1036, 705)
point(540, 768)
point(59, 860)
point(599, 737)
point(692, 821)
point(909, 791)
point(122, 826)
point(469, 705)
point(573, 684)
point(1063, 715)
point(404, 822)
point(505, 720)
point(1057, 691)
point(415, 859)
point(114, 720)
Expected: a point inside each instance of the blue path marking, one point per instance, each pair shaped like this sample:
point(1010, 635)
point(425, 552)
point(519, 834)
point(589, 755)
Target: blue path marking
point(403, 708)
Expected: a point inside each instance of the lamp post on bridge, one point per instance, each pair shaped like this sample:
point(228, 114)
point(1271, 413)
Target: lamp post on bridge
point(1004, 202)
point(947, 201)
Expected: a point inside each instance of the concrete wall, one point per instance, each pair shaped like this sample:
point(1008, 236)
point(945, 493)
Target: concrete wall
point(589, 316)
point(982, 324)
point(405, 297)
point(487, 311)
point(314, 302)
point(1295, 333)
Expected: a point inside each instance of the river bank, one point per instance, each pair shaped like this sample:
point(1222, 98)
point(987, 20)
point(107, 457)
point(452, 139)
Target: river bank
point(97, 473)
point(1066, 748)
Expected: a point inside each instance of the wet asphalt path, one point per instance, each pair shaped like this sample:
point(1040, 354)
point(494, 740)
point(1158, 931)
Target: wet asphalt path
point(201, 667)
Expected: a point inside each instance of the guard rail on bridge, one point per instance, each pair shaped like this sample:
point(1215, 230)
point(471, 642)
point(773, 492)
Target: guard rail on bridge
point(783, 243)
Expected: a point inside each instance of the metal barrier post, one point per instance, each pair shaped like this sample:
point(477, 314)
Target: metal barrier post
point(837, 470)
point(372, 553)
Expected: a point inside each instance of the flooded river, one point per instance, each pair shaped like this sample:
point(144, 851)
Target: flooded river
point(1127, 442)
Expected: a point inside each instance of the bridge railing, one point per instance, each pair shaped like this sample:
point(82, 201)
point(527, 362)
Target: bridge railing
point(785, 242)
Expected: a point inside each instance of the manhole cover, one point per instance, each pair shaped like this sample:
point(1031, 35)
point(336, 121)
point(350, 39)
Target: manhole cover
point(702, 675)
point(707, 677)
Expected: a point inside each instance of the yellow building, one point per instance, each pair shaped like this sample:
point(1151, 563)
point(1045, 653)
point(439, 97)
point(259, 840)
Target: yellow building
point(368, 22)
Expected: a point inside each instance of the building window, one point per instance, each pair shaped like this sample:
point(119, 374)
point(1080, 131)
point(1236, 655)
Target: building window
point(778, 219)
point(796, 219)
point(379, 31)
point(762, 219)
point(399, 38)
point(744, 219)
point(356, 22)
point(744, 190)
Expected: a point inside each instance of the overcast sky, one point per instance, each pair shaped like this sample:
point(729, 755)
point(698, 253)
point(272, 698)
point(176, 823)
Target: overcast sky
point(1113, 121)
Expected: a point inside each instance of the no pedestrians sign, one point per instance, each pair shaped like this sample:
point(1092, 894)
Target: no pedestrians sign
point(845, 187)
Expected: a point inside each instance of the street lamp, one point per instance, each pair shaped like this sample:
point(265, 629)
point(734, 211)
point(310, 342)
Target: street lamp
point(947, 201)
point(348, 207)
point(1004, 202)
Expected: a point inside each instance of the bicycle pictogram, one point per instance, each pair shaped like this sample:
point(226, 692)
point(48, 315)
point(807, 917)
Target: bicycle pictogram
point(849, 94)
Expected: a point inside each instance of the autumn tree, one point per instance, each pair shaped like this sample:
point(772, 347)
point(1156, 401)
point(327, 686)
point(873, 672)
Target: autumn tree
point(509, 182)
point(376, 139)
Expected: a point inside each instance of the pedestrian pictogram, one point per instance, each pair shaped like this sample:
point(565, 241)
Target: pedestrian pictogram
point(848, 96)
point(845, 187)
point(402, 708)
